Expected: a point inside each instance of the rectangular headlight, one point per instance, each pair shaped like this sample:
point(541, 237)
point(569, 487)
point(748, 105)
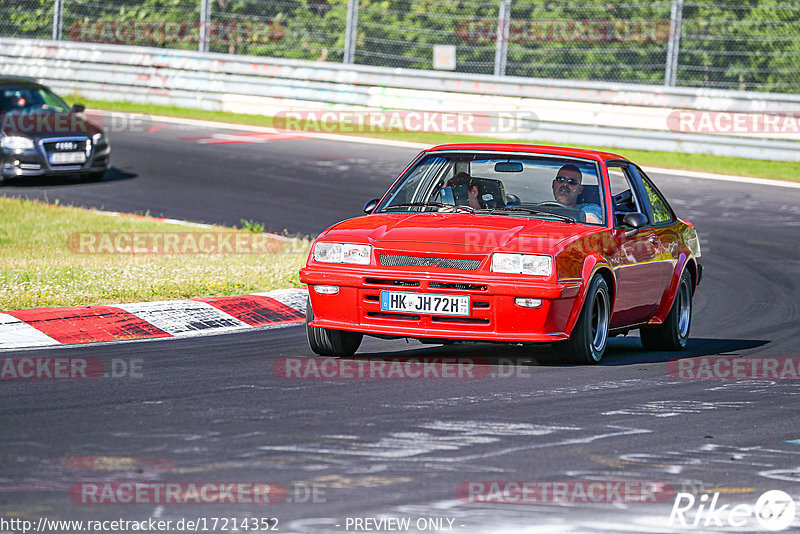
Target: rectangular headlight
point(17, 142)
point(358, 254)
point(342, 253)
point(522, 264)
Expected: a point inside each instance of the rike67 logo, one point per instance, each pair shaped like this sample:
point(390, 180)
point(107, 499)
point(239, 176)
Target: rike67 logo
point(774, 510)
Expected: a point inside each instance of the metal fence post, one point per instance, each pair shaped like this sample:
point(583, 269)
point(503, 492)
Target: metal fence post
point(350, 32)
point(501, 49)
point(205, 16)
point(674, 45)
point(58, 14)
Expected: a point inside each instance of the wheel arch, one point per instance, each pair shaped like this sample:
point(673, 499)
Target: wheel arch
point(686, 263)
point(593, 266)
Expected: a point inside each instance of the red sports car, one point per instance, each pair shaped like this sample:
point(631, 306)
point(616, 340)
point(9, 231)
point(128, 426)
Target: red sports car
point(509, 243)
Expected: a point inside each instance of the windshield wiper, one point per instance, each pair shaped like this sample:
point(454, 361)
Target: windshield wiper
point(535, 212)
point(468, 209)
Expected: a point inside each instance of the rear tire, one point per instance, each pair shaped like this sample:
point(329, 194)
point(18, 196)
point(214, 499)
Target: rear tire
point(587, 343)
point(673, 334)
point(328, 342)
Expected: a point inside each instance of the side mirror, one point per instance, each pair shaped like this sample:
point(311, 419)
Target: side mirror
point(635, 220)
point(78, 108)
point(370, 206)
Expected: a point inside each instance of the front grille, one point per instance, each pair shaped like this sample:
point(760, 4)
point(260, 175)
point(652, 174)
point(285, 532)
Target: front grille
point(460, 287)
point(468, 320)
point(58, 146)
point(428, 261)
point(64, 146)
point(386, 282)
point(401, 316)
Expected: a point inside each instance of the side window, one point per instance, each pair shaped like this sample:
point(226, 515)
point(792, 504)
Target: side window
point(661, 212)
point(623, 193)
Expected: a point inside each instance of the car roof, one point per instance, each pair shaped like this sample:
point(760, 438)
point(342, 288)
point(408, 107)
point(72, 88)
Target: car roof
point(19, 81)
point(538, 149)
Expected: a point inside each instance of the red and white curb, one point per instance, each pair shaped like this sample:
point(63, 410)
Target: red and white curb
point(46, 327)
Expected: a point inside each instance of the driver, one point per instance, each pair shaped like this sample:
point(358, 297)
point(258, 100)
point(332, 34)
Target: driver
point(566, 189)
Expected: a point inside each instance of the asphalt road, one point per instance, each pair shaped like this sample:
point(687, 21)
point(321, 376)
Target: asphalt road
point(171, 170)
point(213, 409)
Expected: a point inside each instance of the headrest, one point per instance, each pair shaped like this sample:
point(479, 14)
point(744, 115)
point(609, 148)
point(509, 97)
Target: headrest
point(590, 195)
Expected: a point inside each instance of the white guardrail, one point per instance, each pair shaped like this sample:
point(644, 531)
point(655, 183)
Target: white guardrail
point(698, 121)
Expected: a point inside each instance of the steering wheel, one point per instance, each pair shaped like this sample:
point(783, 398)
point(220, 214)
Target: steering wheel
point(512, 200)
point(551, 203)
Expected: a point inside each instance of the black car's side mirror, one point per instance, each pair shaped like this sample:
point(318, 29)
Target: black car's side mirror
point(370, 206)
point(78, 108)
point(635, 220)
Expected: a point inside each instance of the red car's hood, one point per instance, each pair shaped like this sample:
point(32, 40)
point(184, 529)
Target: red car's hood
point(455, 232)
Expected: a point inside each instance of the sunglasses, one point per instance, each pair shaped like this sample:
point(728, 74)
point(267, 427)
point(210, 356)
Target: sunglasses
point(570, 181)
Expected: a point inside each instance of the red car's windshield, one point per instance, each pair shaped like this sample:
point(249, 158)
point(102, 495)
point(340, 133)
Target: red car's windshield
point(501, 184)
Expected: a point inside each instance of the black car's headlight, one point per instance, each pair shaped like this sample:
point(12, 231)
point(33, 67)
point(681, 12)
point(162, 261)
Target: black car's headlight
point(100, 138)
point(16, 142)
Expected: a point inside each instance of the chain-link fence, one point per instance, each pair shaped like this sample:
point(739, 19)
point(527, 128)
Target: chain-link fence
point(752, 45)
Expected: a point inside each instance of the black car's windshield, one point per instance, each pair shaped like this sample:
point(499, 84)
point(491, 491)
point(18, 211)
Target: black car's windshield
point(23, 98)
point(512, 185)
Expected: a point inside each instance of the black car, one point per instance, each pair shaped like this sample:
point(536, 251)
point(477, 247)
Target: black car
point(43, 136)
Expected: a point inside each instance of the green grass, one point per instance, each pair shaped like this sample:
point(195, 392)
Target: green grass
point(647, 158)
point(39, 269)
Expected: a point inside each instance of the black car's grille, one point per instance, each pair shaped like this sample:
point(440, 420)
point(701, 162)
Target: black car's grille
point(427, 261)
point(58, 145)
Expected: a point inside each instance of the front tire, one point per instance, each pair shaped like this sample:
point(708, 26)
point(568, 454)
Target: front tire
point(587, 343)
point(328, 342)
point(673, 334)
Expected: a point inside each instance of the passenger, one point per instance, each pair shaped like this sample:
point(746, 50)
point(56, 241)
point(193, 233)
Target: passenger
point(567, 188)
point(465, 179)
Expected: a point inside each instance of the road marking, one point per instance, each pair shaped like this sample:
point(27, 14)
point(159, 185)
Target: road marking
point(184, 317)
point(88, 324)
point(15, 334)
point(241, 138)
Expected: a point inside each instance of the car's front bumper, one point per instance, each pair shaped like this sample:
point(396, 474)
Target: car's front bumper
point(494, 314)
point(34, 162)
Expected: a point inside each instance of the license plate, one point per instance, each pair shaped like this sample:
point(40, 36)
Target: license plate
point(424, 303)
point(62, 158)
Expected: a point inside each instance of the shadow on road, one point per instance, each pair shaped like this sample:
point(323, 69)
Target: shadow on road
point(112, 175)
point(629, 351)
point(620, 351)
